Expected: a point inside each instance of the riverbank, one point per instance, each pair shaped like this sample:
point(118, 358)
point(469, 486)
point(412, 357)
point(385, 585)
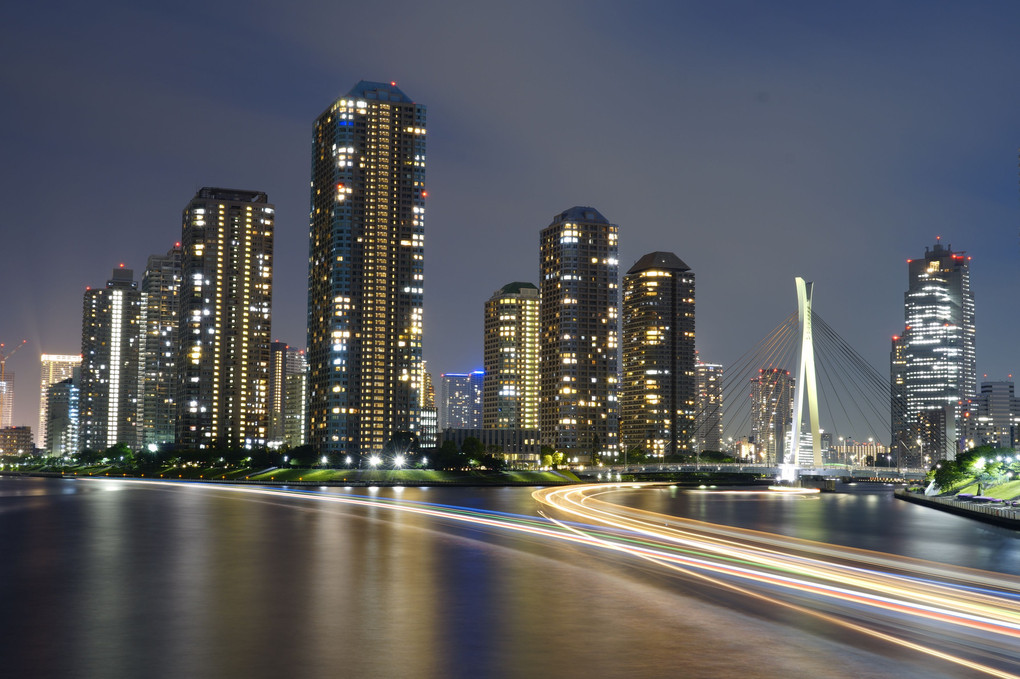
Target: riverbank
point(321, 477)
point(1006, 517)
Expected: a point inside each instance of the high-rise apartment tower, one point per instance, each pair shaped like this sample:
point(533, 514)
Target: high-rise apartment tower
point(708, 412)
point(657, 404)
point(55, 368)
point(510, 389)
point(579, 325)
point(225, 316)
point(161, 284)
point(366, 270)
point(112, 329)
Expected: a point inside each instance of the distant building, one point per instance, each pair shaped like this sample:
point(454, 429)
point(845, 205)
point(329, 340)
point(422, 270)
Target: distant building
point(579, 406)
point(518, 448)
point(657, 403)
point(861, 453)
point(934, 364)
point(287, 403)
point(112, 333)
point(16, 441)
point(936, 433)
point(708, 420)
point(226, 297)
point(62, 403)
point(429, 412)
point(771, 413)
point(992, 417)
point(295, 401)
point(55, 368)
point(161, 285)
point(511, 351)
point(277, 390)
point(7, 399)
point(366, 270)
point(460, 400)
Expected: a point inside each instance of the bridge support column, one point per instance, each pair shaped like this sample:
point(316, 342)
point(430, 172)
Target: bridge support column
point(806, 382)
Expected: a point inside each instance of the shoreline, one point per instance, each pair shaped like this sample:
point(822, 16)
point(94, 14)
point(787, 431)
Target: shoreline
point(985, 513)
point(480, 482)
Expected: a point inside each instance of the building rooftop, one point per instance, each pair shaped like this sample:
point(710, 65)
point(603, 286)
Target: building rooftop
point(659, 260)
point(238, 195)
point(515, 288)
point(366, 89)
point(580, 213)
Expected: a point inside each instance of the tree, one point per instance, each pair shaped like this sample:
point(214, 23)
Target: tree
point(119, 453)
point(472, 448)
point(448, 456)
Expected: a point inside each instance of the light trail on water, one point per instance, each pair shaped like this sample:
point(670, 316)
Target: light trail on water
point(976, 609)
point(883, 596)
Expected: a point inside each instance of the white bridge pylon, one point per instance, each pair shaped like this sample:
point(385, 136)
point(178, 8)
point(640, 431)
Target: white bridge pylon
point(806, 382)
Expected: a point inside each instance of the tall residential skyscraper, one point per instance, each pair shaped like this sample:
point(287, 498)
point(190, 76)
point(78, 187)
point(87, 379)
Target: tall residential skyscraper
point(936, 351)
point(288, 382)
point(708, 418)
point(55, 368)
point(61, 435)
point(366, 270)
point(657, 403)
point(111, 338)
point(579, 318)
point(510, 389)
point(161, 284)
point(460, 400)
point(225, 316)
point(277, 391)
point(772, 413)
point(295, 400)
point(7, 399)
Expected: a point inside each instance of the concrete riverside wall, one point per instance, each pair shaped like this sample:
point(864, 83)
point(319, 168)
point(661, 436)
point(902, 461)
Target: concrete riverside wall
point(994, 514)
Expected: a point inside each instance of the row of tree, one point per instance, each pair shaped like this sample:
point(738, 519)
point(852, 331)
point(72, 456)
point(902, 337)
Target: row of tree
point(987, 465)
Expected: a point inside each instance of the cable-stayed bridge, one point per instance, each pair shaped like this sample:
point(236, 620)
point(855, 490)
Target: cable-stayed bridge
point(802, 398)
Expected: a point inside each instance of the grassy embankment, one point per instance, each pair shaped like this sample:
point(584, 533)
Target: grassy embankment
point(355, 476)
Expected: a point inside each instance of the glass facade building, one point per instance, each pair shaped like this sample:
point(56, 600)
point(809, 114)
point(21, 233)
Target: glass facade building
point(933, 362)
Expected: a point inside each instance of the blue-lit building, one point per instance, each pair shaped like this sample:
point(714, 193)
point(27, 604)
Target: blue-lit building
point(366, 271)
point(460, 400)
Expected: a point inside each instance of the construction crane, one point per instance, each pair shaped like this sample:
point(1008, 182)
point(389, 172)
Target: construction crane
point(4, 390)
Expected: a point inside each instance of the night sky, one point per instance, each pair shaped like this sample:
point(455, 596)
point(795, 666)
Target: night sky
point(757, 141)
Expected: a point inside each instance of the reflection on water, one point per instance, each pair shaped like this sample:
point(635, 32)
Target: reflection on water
point(122, 579)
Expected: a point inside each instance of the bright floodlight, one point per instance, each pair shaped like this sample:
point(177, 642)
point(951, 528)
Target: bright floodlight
point(325, 459)
point(153, 447)
point(374, 460)
point(398, 461)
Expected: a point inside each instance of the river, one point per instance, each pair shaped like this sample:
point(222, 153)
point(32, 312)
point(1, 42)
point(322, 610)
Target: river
point(105, 578)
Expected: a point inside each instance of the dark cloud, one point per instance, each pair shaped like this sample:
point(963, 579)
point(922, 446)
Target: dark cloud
point(757, 142)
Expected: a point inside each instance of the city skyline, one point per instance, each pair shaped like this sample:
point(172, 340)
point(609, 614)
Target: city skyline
point(748, 153)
